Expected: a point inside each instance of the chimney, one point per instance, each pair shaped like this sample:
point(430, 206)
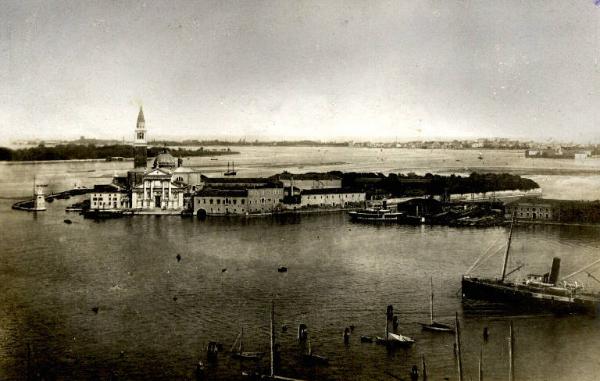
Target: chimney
point(555, 270)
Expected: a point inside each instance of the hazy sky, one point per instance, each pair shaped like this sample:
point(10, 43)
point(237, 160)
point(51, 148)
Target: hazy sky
point(362, 70)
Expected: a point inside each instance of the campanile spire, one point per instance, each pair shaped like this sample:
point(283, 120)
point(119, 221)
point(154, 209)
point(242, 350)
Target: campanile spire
point(140, 156)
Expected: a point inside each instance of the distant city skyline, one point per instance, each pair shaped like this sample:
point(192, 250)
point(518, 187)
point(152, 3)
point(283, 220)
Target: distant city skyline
point(334, 71)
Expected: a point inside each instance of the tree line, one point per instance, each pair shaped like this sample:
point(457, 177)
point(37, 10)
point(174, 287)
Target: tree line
point(412, 185)
point(91, 151)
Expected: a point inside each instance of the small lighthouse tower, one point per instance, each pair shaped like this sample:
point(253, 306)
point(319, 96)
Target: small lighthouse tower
point(140, 154)
point(39, 202)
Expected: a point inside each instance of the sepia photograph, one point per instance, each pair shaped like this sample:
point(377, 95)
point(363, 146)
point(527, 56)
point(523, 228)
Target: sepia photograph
point(300, 190)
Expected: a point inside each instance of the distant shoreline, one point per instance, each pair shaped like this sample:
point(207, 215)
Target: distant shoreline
point(14, 162)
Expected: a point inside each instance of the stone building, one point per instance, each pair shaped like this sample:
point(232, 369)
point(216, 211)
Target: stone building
point(109, 197)
point(309, 180)
point(238, 196)
point(531, 208)
point(329, 198)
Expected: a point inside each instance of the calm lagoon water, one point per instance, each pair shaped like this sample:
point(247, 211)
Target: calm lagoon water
point(340, 274)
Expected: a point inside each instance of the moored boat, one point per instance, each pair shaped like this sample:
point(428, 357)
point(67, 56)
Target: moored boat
point(393, 339)
point(313, 358)
point(376, 214)
point(240, 353)
point(546, 291)
point(434, 325)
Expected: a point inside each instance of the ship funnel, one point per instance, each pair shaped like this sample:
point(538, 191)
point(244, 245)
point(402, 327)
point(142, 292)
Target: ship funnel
point(555, 270)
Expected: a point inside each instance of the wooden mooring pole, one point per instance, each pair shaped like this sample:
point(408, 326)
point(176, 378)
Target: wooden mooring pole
point(511, 353)
point(459, 365)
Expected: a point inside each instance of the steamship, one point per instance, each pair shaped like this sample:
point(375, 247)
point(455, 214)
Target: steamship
point(546, 292)
point(376, 214)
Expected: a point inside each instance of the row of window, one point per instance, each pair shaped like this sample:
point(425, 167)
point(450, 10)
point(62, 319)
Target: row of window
point(225, 201)
point(333, 196)
point(533, 215)
point(233, 201)
point(110, 198)
point(103, 204)
point(141, 203)
point(534, 209)
point(227, 211)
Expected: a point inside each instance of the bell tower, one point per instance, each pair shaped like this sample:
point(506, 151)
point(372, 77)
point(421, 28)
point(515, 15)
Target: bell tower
point(140, 155)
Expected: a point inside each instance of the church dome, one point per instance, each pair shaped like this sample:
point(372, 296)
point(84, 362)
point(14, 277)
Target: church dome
point(165, 160)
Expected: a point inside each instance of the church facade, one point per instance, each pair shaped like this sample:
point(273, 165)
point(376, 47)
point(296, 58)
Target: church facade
point(165, 188)
point(157, 191)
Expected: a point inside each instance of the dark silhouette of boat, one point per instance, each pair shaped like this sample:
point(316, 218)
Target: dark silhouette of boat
point(97, 214)
point(63, 196)
point(546, 291)
point(282, 269)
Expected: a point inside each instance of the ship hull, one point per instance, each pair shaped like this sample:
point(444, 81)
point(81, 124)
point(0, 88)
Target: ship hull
point(480, 289)
point(358, 216)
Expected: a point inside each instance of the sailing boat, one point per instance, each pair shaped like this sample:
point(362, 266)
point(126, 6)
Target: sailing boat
point(230, 172)
point(310, 357)
point(545, 291)
point(434, 325)
point(393, 339)
point(272, 375)
point(240, 353)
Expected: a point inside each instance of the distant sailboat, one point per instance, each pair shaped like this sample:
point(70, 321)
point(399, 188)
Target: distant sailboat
point(433, 325)
point(230, 172)
point(480, 157)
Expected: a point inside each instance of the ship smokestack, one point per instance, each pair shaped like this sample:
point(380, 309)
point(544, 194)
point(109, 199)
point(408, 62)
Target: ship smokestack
point(555, 270)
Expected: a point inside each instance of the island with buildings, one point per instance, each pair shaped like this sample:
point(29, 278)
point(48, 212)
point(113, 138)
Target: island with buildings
point(160, 184)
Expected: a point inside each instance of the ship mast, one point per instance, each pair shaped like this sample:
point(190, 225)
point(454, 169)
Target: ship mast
point(459, 364)
point(431, 300)
point(272, 338)
point(511, 353)
point(507, 249)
